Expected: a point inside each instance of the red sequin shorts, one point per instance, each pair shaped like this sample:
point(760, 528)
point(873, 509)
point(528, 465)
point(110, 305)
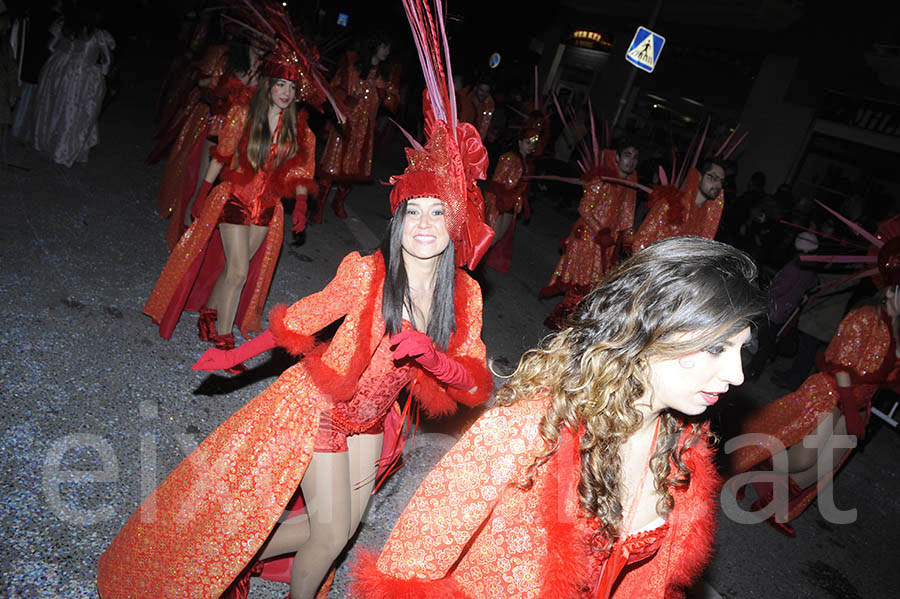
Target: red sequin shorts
point(258, 212)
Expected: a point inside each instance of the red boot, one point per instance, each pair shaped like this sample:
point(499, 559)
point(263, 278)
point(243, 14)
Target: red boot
point(338, 203)
point(206, 324)
point(321, 198)
point(764, 491)
point(226, 342)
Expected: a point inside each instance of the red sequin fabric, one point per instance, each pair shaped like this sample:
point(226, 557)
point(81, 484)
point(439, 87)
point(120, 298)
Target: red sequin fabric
point(604, 205)
point(663, 222)
point(860, 348)
point(348, 150)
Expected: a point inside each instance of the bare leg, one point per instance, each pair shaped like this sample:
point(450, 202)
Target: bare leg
point(326, 490)
point(805, 472)
point(365, 450)
point(240, 242)
point(502, 225)
point(287, 537)
point(204, 165)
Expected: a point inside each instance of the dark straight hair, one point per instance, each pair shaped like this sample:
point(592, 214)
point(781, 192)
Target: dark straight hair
point(442, 320)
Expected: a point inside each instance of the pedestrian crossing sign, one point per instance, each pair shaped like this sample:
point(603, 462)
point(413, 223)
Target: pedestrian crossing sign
point(644, 49)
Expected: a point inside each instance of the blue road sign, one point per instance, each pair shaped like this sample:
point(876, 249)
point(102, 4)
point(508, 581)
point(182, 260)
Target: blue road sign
point(644, 49)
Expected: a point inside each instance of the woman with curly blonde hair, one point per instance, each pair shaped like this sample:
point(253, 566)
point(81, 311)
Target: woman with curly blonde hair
point(593, 475)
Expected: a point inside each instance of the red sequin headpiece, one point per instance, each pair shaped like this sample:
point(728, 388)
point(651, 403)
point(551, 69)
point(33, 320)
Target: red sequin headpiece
point(453, 157)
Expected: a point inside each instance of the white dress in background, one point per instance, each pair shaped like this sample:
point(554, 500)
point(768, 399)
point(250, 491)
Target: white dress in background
point(70, 94)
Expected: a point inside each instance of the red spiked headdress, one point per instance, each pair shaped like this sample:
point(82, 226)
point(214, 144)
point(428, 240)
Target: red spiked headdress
point(453, 157)
point(882, 259)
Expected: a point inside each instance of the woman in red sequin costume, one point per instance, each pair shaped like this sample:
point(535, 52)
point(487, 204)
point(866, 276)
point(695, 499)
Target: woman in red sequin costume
point(411, 317)
point(232, 82)
point(594, 476)
point(603, 228)
point(224, 262)
point(830, 404)
point(362, 84)
point(507, 196)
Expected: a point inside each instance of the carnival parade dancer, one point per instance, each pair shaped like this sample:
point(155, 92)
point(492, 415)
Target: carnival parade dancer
point(593, 476)
point(507, 196)
point(410, 316)
point(233, 81)
point(362, 84)
point(832, 403)
point(602, 230)
point(692, 202)
point(223, 264)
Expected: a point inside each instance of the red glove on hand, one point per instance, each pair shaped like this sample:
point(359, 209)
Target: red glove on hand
point(221, 359)
point(299, 213)
point(416, 345)
point(200, 200)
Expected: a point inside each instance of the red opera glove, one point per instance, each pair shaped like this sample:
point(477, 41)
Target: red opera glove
point(419, 347)
point(299, 213)
point(222, 359)
point(200, 200)
point(604, 238)
point(850, 407)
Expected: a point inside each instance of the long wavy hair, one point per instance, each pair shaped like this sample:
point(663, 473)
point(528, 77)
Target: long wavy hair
point(395, 295)
point(260, 137)
point(596, 370)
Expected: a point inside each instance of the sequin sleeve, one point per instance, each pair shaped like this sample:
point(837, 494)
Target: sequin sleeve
point(231, 133)
point(294, 326)
point(508, 171)
point(448, 509)
point(301, 169)
point(860, 345)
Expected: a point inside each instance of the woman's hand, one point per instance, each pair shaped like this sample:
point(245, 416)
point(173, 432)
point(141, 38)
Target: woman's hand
point(418, 346)
point(216, 359)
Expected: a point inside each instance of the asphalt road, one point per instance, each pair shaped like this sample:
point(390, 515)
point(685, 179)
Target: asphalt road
point(88, 386)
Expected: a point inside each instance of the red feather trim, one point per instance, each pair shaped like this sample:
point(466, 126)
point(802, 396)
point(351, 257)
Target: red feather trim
point(372, 583)
point(484, 381)
point(341, 387)
point(699, 509)
point(433, 396)
point(564, 572)
point(295, 343)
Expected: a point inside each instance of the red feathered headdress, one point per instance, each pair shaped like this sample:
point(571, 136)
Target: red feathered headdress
point(288, 55)
point(453, 157)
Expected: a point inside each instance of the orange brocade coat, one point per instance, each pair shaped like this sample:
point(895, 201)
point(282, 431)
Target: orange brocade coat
point(193, 535)
point(347, 157)
point(468, 533)
point(674, 212)
point(196, 261)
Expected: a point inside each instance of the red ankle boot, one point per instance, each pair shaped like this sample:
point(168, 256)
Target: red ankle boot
point(764, 490)
point(206, 324)
point(226, 342)
point(338, 203)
